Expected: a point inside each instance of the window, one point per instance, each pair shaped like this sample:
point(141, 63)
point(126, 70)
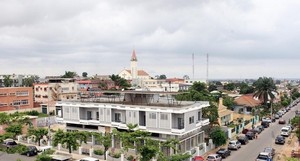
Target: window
point(3, 104)
point(199, 115)
point(97, 115)
point(12, 94)
point(117, 117)
point(163, 116)
point(22, 93)
point(24, 102)
point(3, 94)
point(152, 115)
point(16, 102)
point(191, 120)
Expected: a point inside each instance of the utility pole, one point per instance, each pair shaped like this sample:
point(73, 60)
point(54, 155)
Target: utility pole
point(193, 66)
point(207, 60)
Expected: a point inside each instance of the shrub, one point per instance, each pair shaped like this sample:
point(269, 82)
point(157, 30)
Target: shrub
point(43, 157)
point(49, 152)
point(130, 158)
point(98, 152)
point(115, 155)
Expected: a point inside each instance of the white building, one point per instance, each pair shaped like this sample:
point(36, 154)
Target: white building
point(164, 117)
point(135, 75)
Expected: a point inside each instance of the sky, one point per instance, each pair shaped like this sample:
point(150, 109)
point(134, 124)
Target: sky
point(243, 38)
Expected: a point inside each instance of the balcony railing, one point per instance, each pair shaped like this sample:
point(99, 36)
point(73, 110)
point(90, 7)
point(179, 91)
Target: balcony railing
point(202, 122)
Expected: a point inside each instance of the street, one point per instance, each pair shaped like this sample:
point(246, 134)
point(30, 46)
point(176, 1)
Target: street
point(13, 157)
point(250, 151)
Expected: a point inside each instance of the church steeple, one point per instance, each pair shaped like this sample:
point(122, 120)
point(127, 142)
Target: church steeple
point(133, 66)
point(133, 56)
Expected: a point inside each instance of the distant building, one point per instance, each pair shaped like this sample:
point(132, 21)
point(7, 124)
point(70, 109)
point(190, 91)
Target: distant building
point(225, 115)
point(136, 76)
point(245, 104)
point(17, 79)
point(16, 98)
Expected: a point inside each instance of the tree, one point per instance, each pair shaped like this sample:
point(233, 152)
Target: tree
point(121, 82)
point(265, 89)
point(84, 74)
point(15, 129)
point(186, 77)
point(212, 87)
point(172, 143)
point(199, 86)
point(105, 140)
point(69, 74)
point(7, 81)
point(228, 101)
point(39, 133)
point(218, 136)
point(245, 88)
point(229, 86)
point(28, 82)
point(163, 76)
point(68, 138)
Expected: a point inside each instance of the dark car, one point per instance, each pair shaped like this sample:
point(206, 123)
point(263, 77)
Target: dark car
point(243, 139)
point(224, 152)
point(270, 151)
point(30, 151)
point(279, 140)
point(9, 143)
point(257, 130)
point(265, 124)
point(250, 135)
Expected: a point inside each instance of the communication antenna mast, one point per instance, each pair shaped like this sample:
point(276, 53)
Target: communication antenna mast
point(193, 67)
point(207, 58)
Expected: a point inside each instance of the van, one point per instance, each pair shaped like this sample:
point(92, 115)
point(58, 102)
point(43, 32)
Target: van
point(285, 131)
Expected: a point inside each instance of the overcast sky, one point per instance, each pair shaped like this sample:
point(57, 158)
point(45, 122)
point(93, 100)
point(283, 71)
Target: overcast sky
point(244, 38)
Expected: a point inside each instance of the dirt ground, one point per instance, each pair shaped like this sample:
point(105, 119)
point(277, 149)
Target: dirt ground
point(290, 144)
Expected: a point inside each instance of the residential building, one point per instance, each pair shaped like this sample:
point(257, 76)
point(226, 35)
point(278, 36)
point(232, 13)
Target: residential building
point(46, 94)
point(155, 112)
point(153, 84)
point(245, 104)
point(192, 81)
point(17, 79)
point(225, 115)
point(16, 98)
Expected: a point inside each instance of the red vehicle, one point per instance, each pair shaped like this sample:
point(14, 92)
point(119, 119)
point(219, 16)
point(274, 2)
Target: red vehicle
point(198, 158)
point(245, 131)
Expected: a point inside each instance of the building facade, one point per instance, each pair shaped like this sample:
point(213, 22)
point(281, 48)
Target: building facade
point(183, 122)
point(16, 98)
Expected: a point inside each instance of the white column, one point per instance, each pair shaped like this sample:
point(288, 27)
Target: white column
point(122, 157)
point(91, 152)
point(59, 146)
point(80, 150)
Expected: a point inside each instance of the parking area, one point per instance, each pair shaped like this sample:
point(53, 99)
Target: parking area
point(13, 157)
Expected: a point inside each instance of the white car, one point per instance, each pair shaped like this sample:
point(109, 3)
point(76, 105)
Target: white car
point(234, 144)
point(88, 159)
point(263, 156)
point(285, 131)
point(266, 119)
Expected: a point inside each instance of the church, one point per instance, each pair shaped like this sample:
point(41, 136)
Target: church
point(136, 76)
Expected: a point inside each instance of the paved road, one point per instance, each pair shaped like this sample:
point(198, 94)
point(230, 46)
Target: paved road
point(14, 157)
point(250, 151)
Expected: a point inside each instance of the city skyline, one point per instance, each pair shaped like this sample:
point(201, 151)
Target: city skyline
point(244, 39)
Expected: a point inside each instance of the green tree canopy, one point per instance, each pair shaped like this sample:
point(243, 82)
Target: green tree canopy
point(218, 136)
point(7, 81)
point(265, 89)
point(67, 138)
point(163, 76)
point(199, 86)
point(28, 82)
point(84, 74)
point(39, 133)
point(69, 74)
point(121, 82)
point(229, 86)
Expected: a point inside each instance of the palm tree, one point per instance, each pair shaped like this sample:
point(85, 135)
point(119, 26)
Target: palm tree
point(7, 81)
point(264, 90)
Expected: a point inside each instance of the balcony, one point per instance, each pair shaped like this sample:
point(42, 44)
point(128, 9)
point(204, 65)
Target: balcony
point(89, 121)
point(202, 122)
point(178, 131)
point(119, 124)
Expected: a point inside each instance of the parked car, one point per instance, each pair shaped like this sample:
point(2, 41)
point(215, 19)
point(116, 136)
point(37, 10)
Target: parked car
point(30, 151)
point(214, 157)
point(257, 130)
point(9, 143)
point(265, 124)
point(261, 127)
point(266, 119)
point(279, 140)
point(277, 116)
point(250, 135)
point(281, 121)
point(224, 152)
point(234, 144)
point(263, 156)
point(291, 126)
point(198, 158)
point(245, 131)
point(243, 139)
point(270, 150)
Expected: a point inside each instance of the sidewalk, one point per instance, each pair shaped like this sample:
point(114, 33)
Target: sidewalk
point(73, 155)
